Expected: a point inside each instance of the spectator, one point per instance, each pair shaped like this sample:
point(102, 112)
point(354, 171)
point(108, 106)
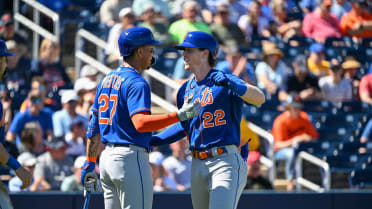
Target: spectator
point(32, 139)
point(284, 27)
point(236, 9)
point(290, 128)
point(72, 183)
point(28, 161)
point(180, 28)
point(127, 20)
point(90, 72)
point(308, 6)
point(76, 137)
point(301, 83)
point(39, 86)
point(160, 177)
point(321, 24)
point(365, 89)
point(7, 112)
point(50, 67)
point(179, 7)
point(7, 32)
point(18, 75)
point(227, 33)
point(158, 27)
point(36, 112)
point(271, 71)
point(254, 24)
point(161, 7)
point(334, 87)
point(62, 118)
point(255, 181)
point(351, 66)
point(109, 10)
point(340, 7)
point(178, 165)
point(316, 62)
point(358, 21)
point(86, 90)
point(366, 138)
point(52, 167)
point(237, 64)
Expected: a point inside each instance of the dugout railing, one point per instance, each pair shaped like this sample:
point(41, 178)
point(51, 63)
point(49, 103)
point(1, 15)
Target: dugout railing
point(34, 24)
point(301, 181)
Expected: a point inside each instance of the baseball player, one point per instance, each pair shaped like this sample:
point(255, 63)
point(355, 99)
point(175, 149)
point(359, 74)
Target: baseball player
point(218, 172)
point(5, 158)
point(121, 119)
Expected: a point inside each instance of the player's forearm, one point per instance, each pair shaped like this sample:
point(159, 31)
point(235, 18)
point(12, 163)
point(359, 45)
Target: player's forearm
point(253, 95)
point(148, 123)
point(93, 144)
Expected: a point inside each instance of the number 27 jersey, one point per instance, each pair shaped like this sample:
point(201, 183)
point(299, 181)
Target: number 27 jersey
point(121, 94)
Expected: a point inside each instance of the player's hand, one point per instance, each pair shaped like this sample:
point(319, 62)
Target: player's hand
point(25, 176)
point(221, 79)
point(189, 110)
point(88, 177)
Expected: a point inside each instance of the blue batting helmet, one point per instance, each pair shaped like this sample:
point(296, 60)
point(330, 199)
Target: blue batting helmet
point(3, 50)
point(135, 37)
point(201, 40)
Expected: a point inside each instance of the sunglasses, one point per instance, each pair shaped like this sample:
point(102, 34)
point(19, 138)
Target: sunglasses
point(35, 101)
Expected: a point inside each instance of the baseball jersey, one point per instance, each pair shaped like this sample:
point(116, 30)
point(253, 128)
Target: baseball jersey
point(218, 123)
point(121, 94)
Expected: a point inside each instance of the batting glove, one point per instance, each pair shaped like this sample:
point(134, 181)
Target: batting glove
point(189, 110)
point(88, 177)
point(221, 79)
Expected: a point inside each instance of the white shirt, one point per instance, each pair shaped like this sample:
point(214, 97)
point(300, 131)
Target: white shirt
point(276, 76)
point(75, 148)
point(178, 170)
point(335, 93)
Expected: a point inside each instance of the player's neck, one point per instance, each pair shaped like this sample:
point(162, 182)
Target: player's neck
point(132, 64)
point(202, 72)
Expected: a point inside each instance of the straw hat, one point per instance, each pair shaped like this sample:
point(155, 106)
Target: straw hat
point(271, 49)
point(350, 64)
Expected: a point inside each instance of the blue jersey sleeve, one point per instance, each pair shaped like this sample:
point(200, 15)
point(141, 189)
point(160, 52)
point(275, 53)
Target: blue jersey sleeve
point(138, 98)
point(181, 94)
point(94, 107)
point(168, 136)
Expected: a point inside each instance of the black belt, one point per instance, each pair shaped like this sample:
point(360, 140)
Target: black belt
point(127, 145)
point(209, 153)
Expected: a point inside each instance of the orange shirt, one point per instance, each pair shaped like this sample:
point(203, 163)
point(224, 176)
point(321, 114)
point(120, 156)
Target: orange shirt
point(349, 19)
point(285, 127)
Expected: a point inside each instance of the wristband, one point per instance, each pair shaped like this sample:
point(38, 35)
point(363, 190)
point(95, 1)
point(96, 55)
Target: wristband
point(13, 163)
point(92, 159)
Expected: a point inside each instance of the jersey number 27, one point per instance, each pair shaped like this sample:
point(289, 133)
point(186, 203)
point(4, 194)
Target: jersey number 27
point(106, 110)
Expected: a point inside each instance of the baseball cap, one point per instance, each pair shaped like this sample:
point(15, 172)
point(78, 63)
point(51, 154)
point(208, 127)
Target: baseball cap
point(84, 84)
point(201, 40)
point(253, 156)
point(4, 50)
point(350, 64)
point(7, 19)
point(56, 143)
point(316, 48)
point(69, 95)
point(292, 102)
point(125, 11)
point(88, 70)
point(148, 6)
point(27, 159)
point(156, 158)
point(79, 161)
point(133, 38)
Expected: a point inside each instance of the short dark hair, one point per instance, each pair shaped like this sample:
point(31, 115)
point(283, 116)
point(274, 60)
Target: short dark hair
point(211, 60)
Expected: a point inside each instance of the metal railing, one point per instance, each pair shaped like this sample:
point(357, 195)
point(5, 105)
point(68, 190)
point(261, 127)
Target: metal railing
point(81, 56)
point(270, 161)
point(301, 181)
point(34, 24)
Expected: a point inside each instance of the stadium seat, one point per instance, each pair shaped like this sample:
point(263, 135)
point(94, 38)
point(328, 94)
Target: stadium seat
point(361, 178)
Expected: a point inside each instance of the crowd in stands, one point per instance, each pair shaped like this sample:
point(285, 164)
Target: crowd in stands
point(296, 51)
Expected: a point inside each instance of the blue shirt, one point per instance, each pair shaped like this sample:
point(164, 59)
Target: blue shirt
point(62, 121)
point(120, 95)
point(367, 132)
point(21, 118)
point(219, 121)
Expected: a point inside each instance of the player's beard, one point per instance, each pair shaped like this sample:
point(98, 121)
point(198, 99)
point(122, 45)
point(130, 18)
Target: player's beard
point(153, 61)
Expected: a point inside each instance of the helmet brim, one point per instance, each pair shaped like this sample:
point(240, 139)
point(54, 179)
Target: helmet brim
point(184, 45)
